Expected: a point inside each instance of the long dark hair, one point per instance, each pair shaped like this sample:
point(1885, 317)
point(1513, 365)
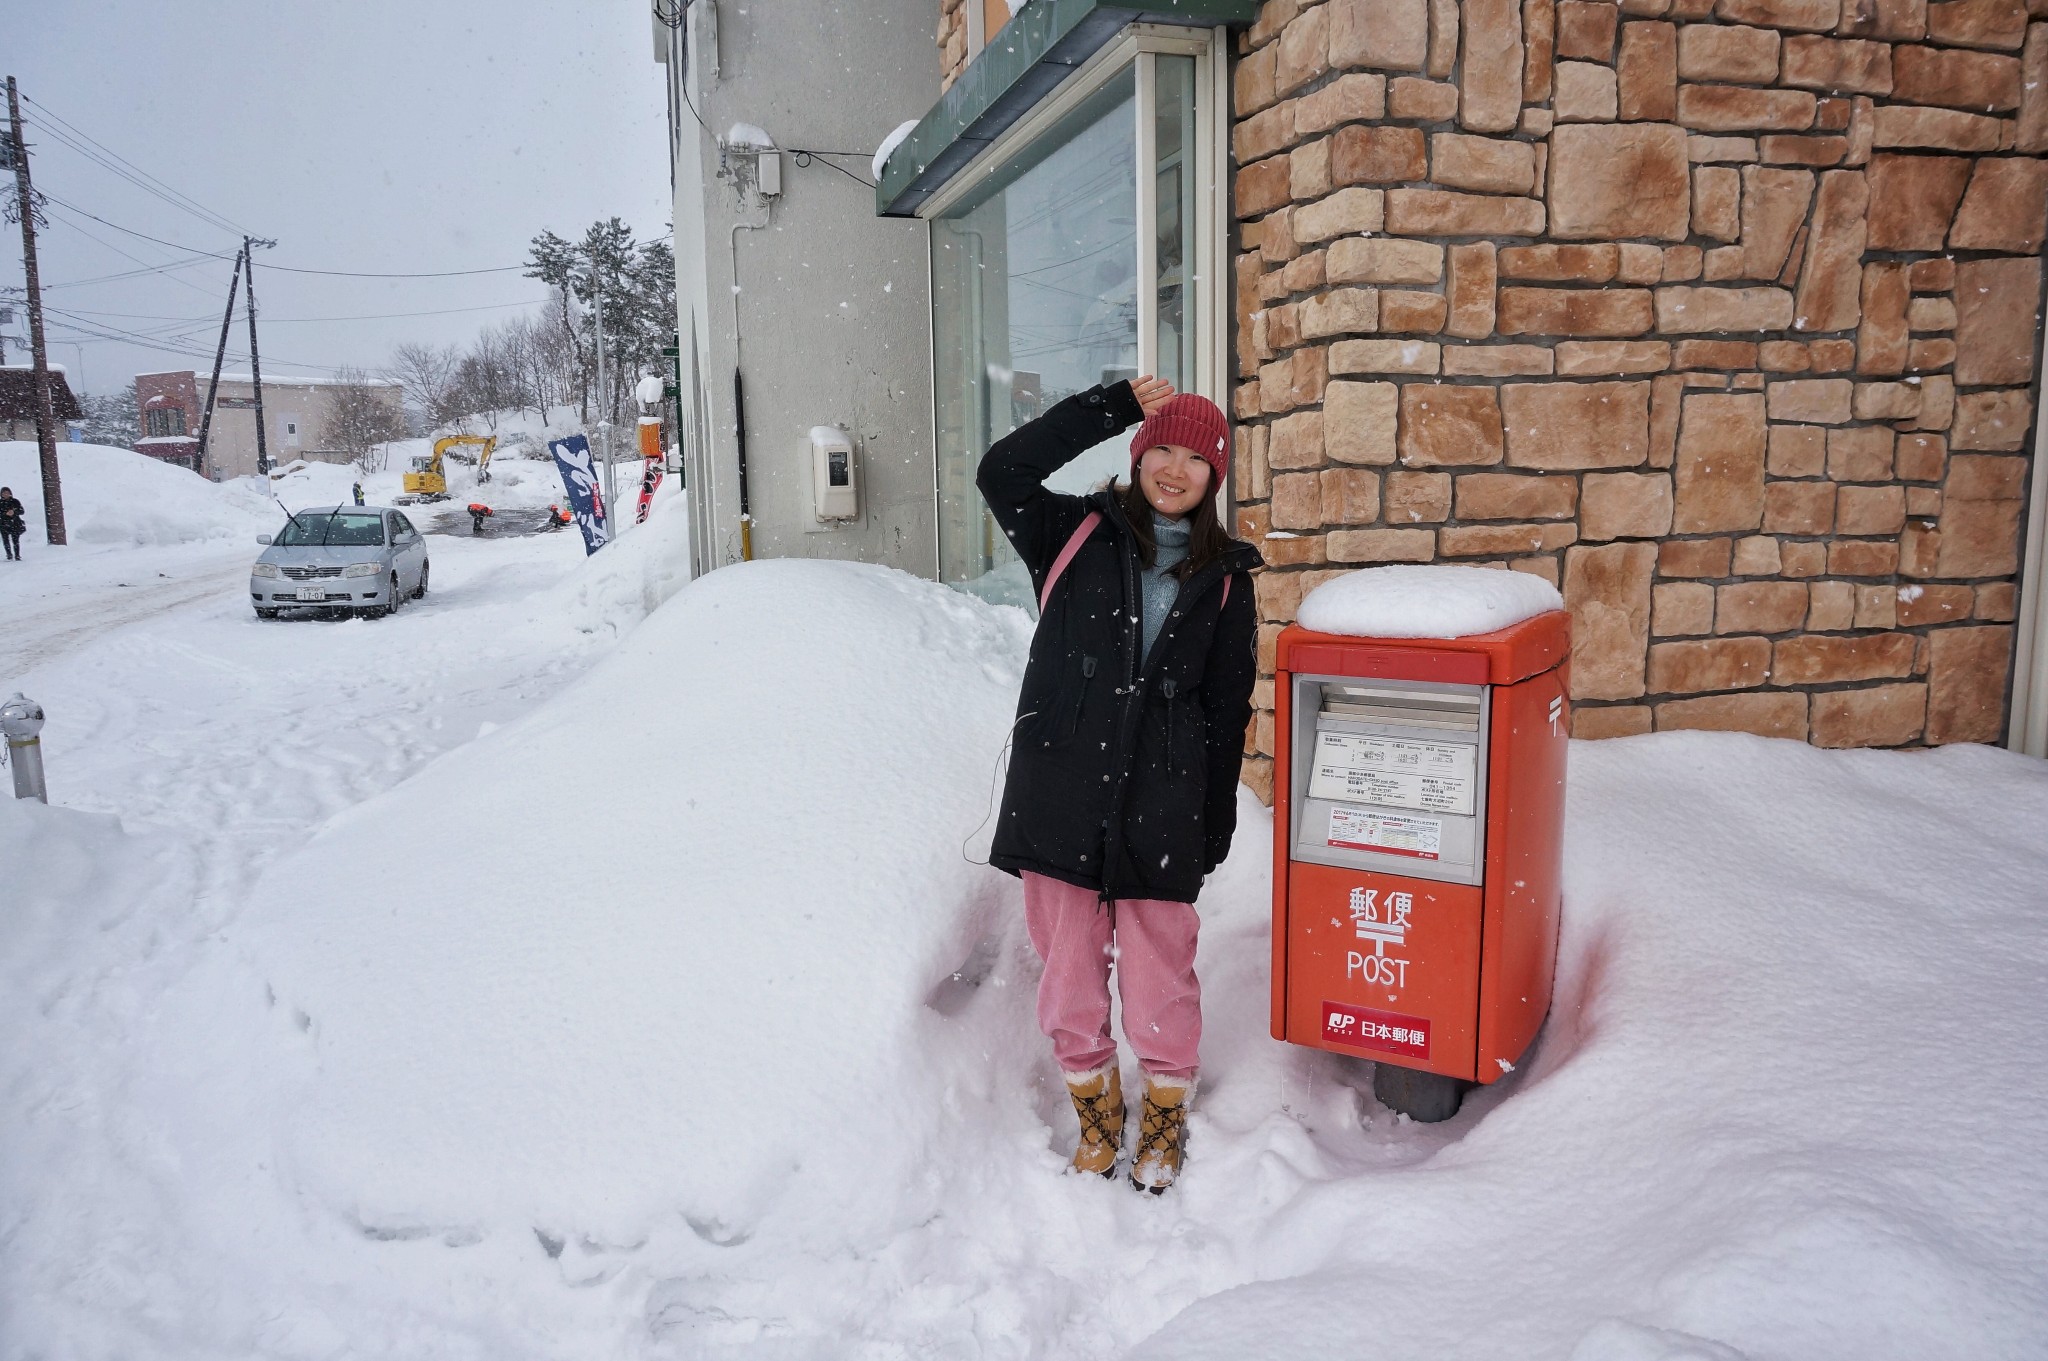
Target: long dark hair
point(1207, 539)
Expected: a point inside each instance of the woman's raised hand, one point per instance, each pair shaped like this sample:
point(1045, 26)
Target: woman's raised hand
point(1152, 393)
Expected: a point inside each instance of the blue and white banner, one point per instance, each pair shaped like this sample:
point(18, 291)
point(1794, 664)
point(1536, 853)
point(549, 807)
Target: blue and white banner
point(586, 494)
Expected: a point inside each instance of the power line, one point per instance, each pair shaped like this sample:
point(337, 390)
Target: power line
point(356, 316)
point(195, 250)
point(367, 274)
point(147, 265)
point(113, 162)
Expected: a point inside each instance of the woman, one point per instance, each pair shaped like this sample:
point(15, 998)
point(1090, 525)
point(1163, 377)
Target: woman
point(1122, 791)
point(13, 523)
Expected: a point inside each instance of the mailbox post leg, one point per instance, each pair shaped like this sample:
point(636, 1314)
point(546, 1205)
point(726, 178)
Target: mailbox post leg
point(1424, 1098)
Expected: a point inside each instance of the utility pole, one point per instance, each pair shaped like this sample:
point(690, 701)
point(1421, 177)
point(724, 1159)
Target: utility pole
point(220, 355)
point(46, 416)
point(255, 363)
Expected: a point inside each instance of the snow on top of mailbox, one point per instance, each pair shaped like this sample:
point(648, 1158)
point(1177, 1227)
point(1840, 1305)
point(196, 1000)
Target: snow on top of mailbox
point(1429, 601)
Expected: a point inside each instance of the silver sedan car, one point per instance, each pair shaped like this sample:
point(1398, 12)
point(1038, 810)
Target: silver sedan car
point(363, 559)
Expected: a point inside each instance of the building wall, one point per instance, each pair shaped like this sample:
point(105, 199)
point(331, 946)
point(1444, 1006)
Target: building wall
point(231, 441)
point(823, 306)
point(1722, 316)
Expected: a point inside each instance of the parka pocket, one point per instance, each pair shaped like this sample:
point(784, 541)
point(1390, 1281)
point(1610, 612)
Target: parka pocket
point(1063, 720)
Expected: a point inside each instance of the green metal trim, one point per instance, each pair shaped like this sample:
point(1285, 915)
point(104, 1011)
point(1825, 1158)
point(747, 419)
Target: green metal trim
point(1033, 53)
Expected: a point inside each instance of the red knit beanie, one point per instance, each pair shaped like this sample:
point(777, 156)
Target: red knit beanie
point(1193, 423)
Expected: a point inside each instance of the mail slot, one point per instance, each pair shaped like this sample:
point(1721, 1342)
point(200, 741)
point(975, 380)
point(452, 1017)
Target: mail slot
point(1418, 831)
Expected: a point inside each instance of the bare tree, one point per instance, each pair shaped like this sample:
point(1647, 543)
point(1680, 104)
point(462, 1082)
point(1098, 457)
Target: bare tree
point(360, 415)
point(428, 373)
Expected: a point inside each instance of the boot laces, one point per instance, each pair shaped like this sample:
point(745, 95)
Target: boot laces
point(1102, 1120)
point(1160, 1131)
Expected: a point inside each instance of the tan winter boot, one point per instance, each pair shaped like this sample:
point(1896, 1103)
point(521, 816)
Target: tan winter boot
point(1162, 1133)
point(1099, 1102)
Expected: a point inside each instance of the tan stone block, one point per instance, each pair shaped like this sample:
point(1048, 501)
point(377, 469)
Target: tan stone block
point(1296, 441)
point(1537, 123)
point(2033, 124)
point(1980, 23)
point(1978, 538)
point(1391, 35)
point(1417, 498)
point(1898, 125)
point(1497, 361)
point(1724, 263)
point(1586, 93)
point(1443, 37)
point(1252, 82)
point(1933, 276)
point(1424, 101)
point(1576, 425)
point(1758, 556)
point(1887, 401)
point(1831, 606)
point(1648, 72)
point(1590, 724)
point(1263, 134)
point(1640, 263)
point(1409, 313)
point(1831, 356)
point(1860, 455)
point(1877, 716)
point(1560, 264)
point(1575, 311)
point(1931, 314)
point(1789, 149)
point(1308, 170)
point(1717, 202)
point(1625, 506)
point(1882, 342)
point(1782, 356)
point(1774, 206)
point(1469, 290)
point(1823, 401)
point(1702, 149)
point(1896, 20)
point(1862, 558)
point(1694, 557)
point(1709, 664)
point(1814, 16)
point(1720, 467)
point(1922, 605)
point(1305, 273)
point(1539, 49)
point(1870, 510)
point(1385, 260)
point(1492, 541)
point(1977, 81)
point(1304, 50)
point(1831, 284)
point(1996, 316)
point(1512, 496)
point(1348, 99)
point(1362, 154)
point(1876, 606)
point(1737, 108)
point(1254, 522)
point(1912, 199)
point(1586, 29)
point(1492, 86)
point(1985, 477)
point(1813, 660)
point(1683, 310)
point(1840, 66)
point(1279, 595)
point(1276, 381)
point(1922, 457)
point(1366, 546)
point(1262, 187)
point(1797, 451)
point(1967, 669)
point(1359, 421)
point(1339, 311)
point(1666, 393)
point(1806, 508)
point(1483, 163)
point(1996, 420)
point(1714, 354)
point(1923, 502)
point(1681, 609)
point(1445, 425)
point(1310, 374)
point(1607, 590)
point(1274, 15)
point(1746, 56)
point(1440, 212)
point(1923, 356)
point(1997, 601)
point(1342, 213)
point(1618, 181)
point(1802, 559)
point(1385, 356)
point(1937, 402)
point(1776, 714)
point(1348, 496)
point(1297, 502)
point(1598, 358)
point(1682, 263)
point(1545, 567)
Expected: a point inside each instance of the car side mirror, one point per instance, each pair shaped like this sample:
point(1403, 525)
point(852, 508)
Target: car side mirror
point(263, 539)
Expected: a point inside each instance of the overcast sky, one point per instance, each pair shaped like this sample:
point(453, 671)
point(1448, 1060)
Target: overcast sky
point(383, 136)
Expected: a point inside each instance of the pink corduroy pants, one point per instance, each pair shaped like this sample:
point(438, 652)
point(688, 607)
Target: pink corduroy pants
point(1153, 945)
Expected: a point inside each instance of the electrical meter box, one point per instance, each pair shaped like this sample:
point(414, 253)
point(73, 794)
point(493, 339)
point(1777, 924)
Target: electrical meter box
point(835, 488)
point(1418, 829)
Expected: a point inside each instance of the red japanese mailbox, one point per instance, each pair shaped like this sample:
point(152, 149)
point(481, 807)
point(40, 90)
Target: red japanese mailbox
point(1418, 829)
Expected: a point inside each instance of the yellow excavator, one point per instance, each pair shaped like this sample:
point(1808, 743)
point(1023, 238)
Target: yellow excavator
point(428, 480)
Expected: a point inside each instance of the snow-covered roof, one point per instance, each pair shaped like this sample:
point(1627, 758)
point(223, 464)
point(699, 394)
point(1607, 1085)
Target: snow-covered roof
point(167, 439)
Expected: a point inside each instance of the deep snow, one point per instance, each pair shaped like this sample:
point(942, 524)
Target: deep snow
point(558, 972)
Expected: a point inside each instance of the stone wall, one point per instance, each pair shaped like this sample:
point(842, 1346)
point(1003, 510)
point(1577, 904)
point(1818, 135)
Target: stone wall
point(1720, 314)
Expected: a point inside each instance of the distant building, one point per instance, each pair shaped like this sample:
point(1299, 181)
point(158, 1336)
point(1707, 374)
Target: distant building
point(18, 402)
point(294, 419)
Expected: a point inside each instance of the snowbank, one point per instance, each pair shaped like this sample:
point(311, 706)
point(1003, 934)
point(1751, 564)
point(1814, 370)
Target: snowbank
point(1434, 601)
point(117, 497)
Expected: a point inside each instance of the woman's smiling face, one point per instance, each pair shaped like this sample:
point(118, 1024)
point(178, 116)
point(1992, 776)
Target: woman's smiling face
point(1174, 479)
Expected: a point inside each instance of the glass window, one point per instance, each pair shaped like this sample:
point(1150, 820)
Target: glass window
point(339, 529)
point(1043, 275)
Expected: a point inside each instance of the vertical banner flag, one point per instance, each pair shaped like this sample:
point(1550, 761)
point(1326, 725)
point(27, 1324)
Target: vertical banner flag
point(586, 497)
point(652, 464)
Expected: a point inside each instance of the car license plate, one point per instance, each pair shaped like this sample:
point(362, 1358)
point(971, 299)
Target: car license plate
point(312, 592)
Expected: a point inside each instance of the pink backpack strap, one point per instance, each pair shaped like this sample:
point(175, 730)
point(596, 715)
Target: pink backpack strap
point(1226, 595)
point(1073, 546)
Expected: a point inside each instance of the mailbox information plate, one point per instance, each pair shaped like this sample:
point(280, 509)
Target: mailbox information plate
point(1431, 777)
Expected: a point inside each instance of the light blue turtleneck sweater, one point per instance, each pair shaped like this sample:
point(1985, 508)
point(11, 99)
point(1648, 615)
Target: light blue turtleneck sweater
point(1159, 585)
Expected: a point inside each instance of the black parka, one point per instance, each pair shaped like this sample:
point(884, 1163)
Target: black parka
point(1122, 779)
